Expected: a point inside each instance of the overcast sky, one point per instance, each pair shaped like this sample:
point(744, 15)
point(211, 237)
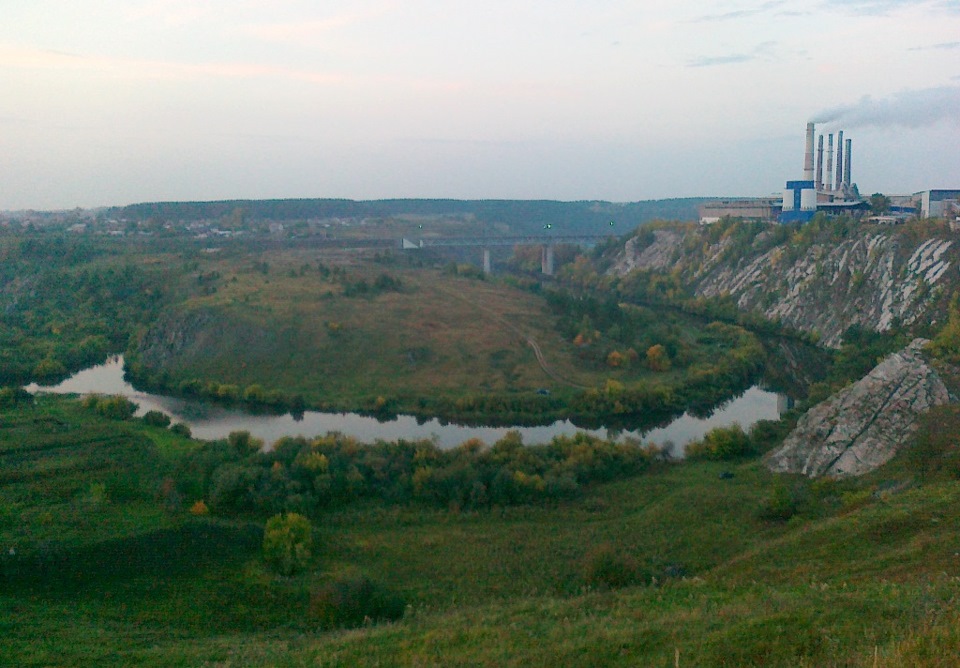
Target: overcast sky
point(119, 101)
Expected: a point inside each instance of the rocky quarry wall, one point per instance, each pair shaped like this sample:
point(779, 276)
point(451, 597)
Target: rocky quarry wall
point(876, 277)
point(872, 276)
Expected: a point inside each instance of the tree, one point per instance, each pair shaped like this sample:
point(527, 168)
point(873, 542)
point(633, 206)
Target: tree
point(657, 358)
point(287, 543)
point(157, 419)
point(879, 203)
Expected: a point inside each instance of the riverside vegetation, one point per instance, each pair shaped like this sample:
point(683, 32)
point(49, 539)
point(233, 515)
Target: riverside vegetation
point(123, 541)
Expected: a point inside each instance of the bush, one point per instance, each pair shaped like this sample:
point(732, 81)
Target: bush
point(181, 429)
point(783, 503)
point(352, 601)
point(287, 543)
point(607, 567)
point(116, 407)
point(49, 369)
point(156, 419)
point(199, 508)
point(11, 396)
point(722, 444)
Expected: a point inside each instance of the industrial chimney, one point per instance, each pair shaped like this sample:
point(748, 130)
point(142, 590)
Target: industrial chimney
point(846, 164)
point(839, 160)
point(830, 161)
point(808, 155)
point(820, 163)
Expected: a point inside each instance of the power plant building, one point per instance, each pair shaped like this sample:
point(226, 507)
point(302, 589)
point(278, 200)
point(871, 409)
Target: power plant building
point(831, 191)
point(752, 208)
point(939, 203)
point(804, 197)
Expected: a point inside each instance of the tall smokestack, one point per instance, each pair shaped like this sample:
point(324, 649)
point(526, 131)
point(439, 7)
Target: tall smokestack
point(846, 163)
point(820, 163)
point(839, 159)
point(830, 161)
point(808, 155)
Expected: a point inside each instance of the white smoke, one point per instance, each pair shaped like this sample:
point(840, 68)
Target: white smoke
point(911, 109)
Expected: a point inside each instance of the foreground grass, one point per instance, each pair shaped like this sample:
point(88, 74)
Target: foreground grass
point(865, 573)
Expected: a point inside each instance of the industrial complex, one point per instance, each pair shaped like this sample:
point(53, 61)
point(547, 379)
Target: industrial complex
point(829, 188)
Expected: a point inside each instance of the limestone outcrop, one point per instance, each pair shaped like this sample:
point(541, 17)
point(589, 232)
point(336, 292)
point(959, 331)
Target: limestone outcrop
point(872, 276)
point(864, 425)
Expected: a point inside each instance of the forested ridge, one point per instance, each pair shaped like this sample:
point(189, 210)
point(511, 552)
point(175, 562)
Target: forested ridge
point(521, 215)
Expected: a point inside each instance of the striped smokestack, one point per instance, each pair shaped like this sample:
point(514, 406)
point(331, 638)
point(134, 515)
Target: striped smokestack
point(808, 155)
point(820, 163)
point(839, 160)
point(846, 163)
point(830, 161)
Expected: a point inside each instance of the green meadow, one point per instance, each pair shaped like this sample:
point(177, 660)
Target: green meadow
point(104, 565)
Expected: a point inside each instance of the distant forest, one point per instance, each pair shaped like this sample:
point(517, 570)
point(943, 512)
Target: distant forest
point(520, 215)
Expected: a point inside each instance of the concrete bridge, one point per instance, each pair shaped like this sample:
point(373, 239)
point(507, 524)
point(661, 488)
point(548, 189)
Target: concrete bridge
point(547, 242)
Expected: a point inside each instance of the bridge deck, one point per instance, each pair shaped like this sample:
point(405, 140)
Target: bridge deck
point(527, 240)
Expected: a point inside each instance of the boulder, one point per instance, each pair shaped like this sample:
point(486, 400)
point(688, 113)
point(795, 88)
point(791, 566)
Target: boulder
point(864, 425)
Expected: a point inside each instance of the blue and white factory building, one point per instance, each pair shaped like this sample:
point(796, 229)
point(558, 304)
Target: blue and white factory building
point(804, 197)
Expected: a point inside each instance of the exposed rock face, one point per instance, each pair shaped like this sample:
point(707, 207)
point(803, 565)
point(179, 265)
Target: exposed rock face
point(862, 426)
point(660, 254)
point(871, 276)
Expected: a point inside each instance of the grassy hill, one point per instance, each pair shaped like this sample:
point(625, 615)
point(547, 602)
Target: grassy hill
point(346, 330)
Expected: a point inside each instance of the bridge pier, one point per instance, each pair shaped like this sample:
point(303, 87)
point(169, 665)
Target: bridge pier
point(487, 268)
point(546, 259)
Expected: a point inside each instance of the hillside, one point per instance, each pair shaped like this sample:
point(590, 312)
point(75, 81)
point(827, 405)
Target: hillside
point(350, 330)
point(743, 569)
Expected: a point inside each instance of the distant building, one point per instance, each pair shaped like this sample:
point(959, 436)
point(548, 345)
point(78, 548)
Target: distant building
point(939, 203)
point(799, 202)
point(754, 208)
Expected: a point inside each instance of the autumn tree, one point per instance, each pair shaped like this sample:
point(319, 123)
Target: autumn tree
point(657, 358)
point(287, 543)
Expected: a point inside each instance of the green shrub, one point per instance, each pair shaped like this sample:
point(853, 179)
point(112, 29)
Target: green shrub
point(181, 429)
point(287, 543)
point(49, 369)
point(607, 567)
point(156, 419)
point(244, 443)
point(11, 396)
point(352, 601)
point(722, 444)
point(783, 503)
point(116, 407)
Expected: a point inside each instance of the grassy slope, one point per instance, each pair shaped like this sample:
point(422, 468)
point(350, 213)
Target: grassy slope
point(857, 572)
point(297, 331)
point(450, 345)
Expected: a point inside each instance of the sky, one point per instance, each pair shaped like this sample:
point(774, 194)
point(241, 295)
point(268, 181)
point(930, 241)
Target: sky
point(111, 102)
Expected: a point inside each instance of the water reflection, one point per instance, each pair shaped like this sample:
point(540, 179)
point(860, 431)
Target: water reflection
point(211, 421)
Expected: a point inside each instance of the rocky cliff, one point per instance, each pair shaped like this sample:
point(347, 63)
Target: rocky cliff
point(822, 278)
point(864, 425)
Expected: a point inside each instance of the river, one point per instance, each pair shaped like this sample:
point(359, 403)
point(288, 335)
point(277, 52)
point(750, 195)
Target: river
point(212, 421)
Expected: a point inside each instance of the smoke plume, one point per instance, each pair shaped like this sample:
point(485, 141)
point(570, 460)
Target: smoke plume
point(911, 109)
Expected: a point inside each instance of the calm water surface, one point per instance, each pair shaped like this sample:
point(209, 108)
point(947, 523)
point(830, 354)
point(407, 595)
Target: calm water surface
point(210, 421)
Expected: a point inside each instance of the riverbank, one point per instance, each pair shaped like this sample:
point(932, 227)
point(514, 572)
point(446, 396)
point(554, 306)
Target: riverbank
point(208, 420)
